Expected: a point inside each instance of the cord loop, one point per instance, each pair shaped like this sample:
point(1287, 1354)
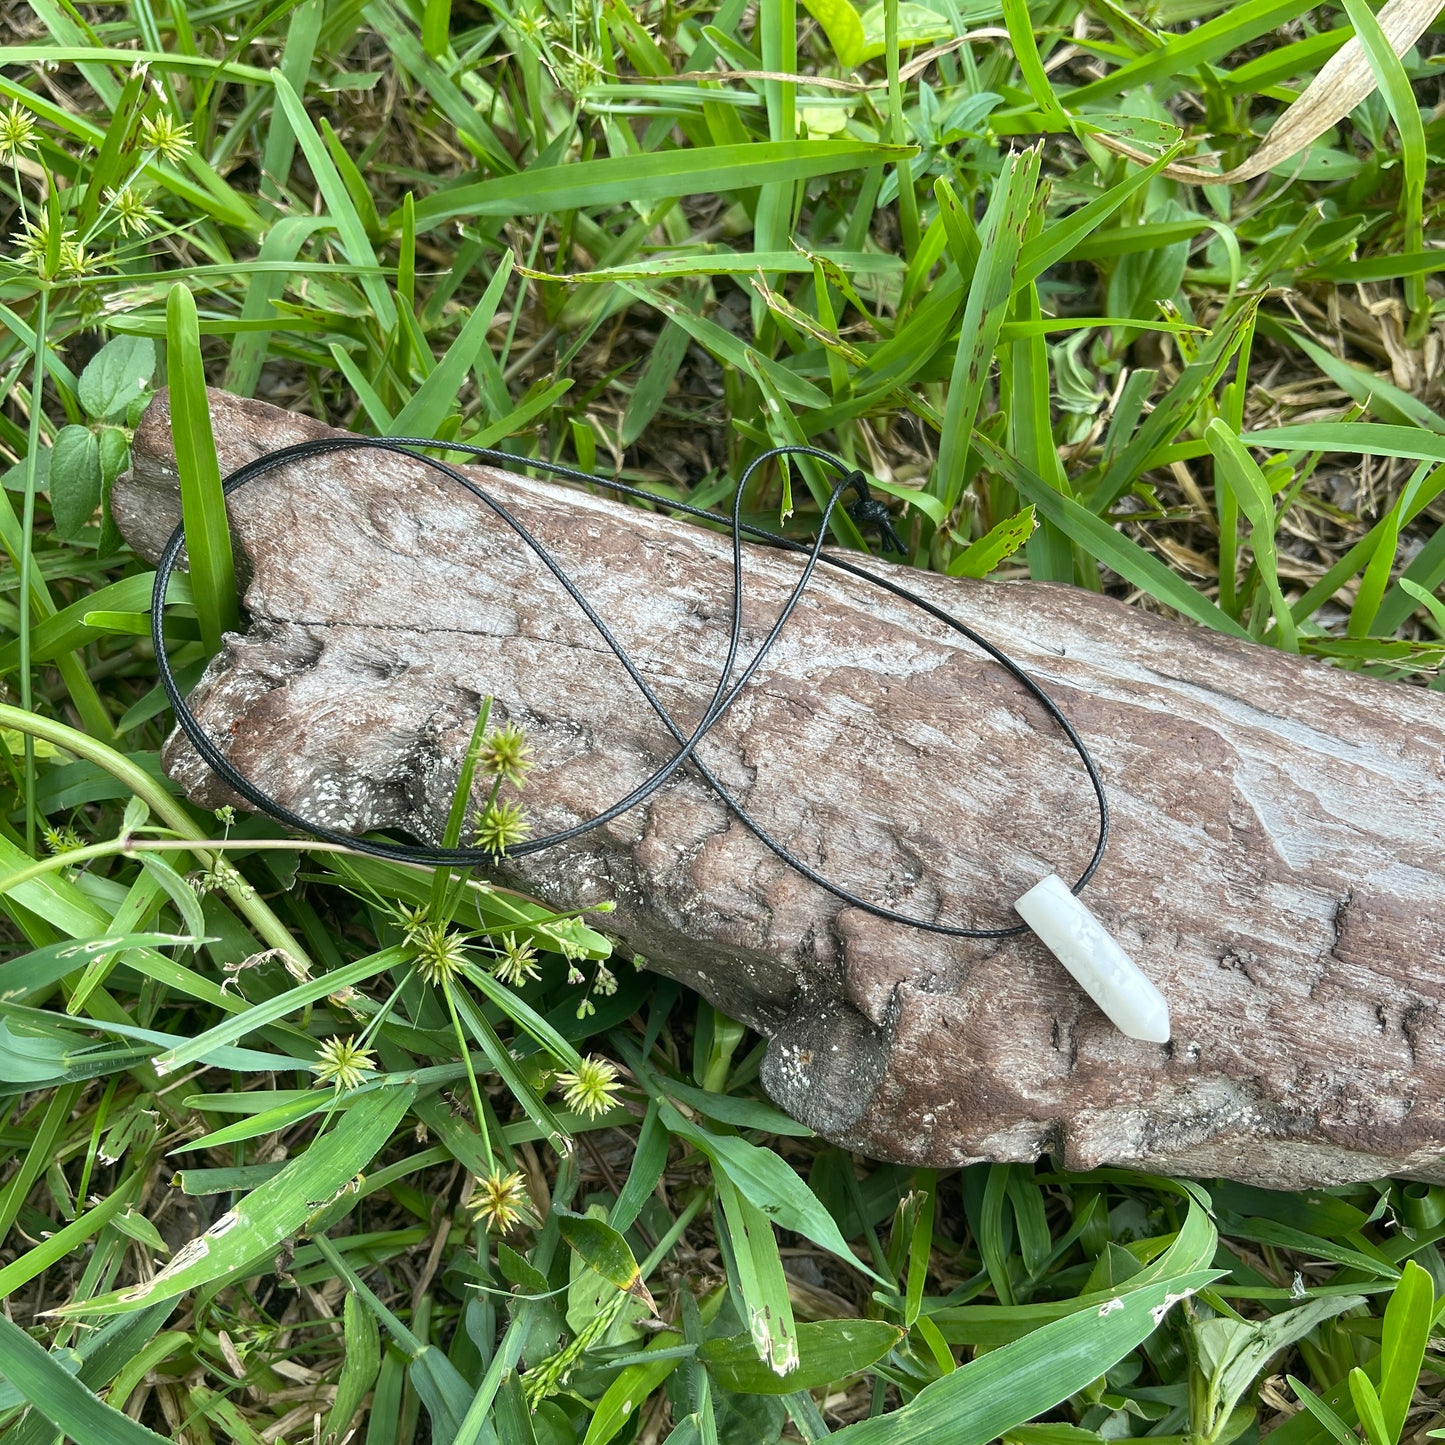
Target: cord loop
point(866, 510)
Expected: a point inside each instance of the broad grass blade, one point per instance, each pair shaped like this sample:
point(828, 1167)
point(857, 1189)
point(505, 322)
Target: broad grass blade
point(60, 1397)
point(274, 1211)
point(1007, 1387)
point(766, 1305)
point(208, 535)
point(655, 176)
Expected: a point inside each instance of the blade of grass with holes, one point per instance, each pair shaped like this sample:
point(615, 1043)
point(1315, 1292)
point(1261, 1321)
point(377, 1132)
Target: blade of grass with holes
point(273, 1211)
point(761, 1282)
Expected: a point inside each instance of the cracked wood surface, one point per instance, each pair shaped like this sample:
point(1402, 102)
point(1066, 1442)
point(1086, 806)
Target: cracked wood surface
point(1275, 864)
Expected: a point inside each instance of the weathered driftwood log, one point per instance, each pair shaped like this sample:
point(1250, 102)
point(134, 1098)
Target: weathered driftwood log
point(1276, 861)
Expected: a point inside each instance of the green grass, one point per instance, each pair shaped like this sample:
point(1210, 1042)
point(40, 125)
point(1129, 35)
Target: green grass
point(658, 240)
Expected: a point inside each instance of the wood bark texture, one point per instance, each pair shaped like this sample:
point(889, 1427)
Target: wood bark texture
point(1275, 864)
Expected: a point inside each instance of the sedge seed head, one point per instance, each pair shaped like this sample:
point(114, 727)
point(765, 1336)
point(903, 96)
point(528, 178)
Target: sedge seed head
point(165, 135)
point(501, 1200)
point(62, 840)
point(413, 921)
point(32, 246)
point(591, 1088)
point(134, 217)
point(516, 962)
point(441, 952)
point(17, 131)
point(32, 240)
point(343, 1062)
point(505, 754)
point(501, 826)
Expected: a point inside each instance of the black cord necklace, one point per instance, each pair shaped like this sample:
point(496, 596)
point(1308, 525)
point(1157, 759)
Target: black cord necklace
point(866, 511)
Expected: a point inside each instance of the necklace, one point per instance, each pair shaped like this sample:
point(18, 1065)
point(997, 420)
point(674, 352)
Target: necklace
point(1051, 909)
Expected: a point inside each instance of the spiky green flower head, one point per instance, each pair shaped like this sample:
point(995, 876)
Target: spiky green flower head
point(501, 1200)
point(501, 826)
point(516, 962)
point(591, 1088)
point(413, 922)
point(166, 136)
point(441, 952)
point(343, 1062)
point(32, 245)
point(134, 217)
point(17, 131)
point(62, 840)
point(505, 754)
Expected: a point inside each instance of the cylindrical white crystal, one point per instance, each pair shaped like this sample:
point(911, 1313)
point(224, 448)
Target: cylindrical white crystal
point(1104, 971)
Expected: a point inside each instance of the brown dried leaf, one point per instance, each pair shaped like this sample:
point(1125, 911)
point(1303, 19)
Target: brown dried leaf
point(1343, 82)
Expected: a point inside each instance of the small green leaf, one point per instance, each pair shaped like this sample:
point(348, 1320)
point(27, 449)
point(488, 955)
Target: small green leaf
point(1242, 474)
point(619, 1404)
point(601, 1248)
point(179, 890)
point(1408, 1317)
point(843, 28)
point(926, 502)
point(1367, 1402)
point(360, 1364)
point(1431, 604)
point(30, 1054)
point(118, 375)
point(75, 480)
point(1322, 1412)
point(139, 1228)
point(208, 536)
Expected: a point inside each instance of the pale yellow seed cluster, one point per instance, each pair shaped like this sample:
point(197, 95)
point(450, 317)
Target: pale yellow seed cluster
point(516, 962)
point(165, 135)
point(591, 1088)
point(343, 1062)
point(441, 953)
point(17, 131)
point(502, 825)
point(501, 1201)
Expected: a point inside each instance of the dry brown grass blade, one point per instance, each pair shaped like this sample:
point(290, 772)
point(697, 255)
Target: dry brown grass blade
point(1344, 81)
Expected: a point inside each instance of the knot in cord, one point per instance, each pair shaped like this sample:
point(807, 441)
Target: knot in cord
point(868, 512)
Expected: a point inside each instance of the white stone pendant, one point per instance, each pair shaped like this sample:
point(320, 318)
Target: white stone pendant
point(1103, 970)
